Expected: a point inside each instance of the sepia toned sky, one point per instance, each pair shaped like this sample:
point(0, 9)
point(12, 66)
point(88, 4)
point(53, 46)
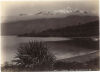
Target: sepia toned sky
point(14, 8)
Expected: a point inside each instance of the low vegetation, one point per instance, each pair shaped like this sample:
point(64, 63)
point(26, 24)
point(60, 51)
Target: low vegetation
point(35, 56)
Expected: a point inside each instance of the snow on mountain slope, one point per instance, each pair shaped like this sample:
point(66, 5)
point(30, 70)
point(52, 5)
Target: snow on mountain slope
point(63, 12)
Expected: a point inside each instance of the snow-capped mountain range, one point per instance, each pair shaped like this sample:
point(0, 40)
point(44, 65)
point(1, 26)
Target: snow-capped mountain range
point(56, 13)
point(66, 12)
point(59, 12)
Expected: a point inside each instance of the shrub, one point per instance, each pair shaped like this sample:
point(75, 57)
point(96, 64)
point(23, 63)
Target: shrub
point(34, 55)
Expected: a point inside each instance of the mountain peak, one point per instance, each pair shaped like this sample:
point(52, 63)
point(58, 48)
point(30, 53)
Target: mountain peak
point(71, 11)
point(66, 11)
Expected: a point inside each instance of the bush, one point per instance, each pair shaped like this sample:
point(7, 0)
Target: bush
point(91, 65)
point(34, 55)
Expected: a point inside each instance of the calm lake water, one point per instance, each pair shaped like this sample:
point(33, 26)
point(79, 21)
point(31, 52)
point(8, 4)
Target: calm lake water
point(55, 44)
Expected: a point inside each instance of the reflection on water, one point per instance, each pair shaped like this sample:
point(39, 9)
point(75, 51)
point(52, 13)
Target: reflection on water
point(57, 45)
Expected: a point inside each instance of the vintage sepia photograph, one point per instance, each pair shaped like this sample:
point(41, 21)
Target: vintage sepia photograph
point(50, 35)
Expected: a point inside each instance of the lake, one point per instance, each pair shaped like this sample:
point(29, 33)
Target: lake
point(57, 45)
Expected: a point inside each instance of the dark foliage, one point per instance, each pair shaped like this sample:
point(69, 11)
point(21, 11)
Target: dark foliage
point(35, 56)
point(91, 65)
point(86, 66)
point(80, 30)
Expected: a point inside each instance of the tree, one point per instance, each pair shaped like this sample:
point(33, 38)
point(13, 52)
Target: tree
point(34, 55)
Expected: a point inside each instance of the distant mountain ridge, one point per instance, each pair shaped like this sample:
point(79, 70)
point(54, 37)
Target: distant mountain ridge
point(59, 12)
point(66, 11)
point(39, 25)
point(82, 30)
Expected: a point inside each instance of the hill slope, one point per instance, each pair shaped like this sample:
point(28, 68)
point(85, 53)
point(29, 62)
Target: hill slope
point(38, 25)
point(81, 30)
